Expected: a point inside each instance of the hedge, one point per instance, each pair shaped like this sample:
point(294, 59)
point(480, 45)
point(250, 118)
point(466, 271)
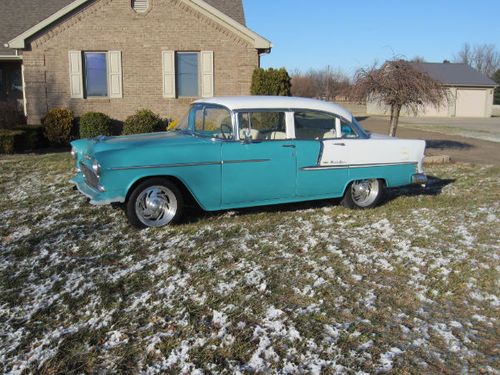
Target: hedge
point(58, 125)
point(143, 121)
point(7, 140)
point(94, 124)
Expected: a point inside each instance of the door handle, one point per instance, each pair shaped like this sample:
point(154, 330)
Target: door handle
point(290, 146)
point(339, 144)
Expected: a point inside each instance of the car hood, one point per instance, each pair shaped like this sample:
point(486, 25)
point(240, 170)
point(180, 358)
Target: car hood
point(102, 144)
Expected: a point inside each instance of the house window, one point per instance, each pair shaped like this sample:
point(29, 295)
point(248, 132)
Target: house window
point(187, 74)
point(140, 6)
point(95, 74)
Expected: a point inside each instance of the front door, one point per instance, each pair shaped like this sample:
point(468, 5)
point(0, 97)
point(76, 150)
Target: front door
point(262, 167)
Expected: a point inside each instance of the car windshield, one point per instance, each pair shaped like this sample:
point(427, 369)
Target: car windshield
point(207, 121)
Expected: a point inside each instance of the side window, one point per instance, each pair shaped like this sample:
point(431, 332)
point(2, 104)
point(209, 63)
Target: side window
point(212, 122)
point(348, 131)
point(314, 125)
point(263, 125)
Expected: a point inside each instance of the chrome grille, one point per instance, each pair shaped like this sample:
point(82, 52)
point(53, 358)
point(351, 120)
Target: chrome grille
point(90, 177)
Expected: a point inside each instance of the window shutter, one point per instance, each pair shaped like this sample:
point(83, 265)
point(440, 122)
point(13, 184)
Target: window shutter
point(207, 74)
point(75, 74)
point(168, 58)
point(140, 6)
point(115, 74)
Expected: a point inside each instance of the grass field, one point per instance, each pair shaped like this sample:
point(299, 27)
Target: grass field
point(409, 287)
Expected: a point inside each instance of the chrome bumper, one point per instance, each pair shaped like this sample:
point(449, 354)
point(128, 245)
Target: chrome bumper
point(419, 179)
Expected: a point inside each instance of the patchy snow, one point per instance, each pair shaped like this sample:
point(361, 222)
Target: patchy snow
point(307, 289)
point(387, 359)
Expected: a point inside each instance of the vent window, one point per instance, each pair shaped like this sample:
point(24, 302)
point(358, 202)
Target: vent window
point(140, 6)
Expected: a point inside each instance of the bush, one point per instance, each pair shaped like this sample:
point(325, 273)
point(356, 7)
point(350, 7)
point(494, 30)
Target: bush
point(271, 82)
point(7, 140)
point(143, 121)
point(10, 115)
point(32, 137)
point(58, 125)
point(94, 124)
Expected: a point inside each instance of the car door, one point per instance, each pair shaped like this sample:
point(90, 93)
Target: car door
point(321, 168)
point(261, 165)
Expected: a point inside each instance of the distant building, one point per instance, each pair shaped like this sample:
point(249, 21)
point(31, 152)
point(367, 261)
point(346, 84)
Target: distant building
point(470, 92)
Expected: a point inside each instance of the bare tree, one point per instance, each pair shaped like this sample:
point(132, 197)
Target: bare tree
point(483, 57)
point(464, 56)
point(398, 84)
point(324, 83)
point(418, 59)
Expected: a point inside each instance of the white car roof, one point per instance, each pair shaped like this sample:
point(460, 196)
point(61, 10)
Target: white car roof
point(278, 102)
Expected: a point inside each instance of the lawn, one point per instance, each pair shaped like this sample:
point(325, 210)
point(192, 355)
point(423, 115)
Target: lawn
point(409, 287)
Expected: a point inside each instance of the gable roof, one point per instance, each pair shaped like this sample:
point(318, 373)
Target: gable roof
point(231, 8)
point(17, 16)
point(455, 74)
point(20, 19)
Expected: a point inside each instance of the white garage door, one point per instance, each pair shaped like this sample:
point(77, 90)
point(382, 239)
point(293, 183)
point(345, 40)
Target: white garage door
point(471, 103)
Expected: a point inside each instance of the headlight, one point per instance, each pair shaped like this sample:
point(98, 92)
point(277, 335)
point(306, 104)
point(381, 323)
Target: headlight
point(96, 168)
point(73, 153)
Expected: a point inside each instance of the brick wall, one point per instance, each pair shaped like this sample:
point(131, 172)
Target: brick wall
point(113, 25)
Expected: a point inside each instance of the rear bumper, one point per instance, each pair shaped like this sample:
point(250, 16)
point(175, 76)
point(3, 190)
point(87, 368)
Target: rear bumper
point(419, 179)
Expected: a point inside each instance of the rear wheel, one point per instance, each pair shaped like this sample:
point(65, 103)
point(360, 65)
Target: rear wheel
point(154, 203)
point(363, 194)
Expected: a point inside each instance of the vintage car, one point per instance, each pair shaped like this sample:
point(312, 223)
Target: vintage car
point(233, 152)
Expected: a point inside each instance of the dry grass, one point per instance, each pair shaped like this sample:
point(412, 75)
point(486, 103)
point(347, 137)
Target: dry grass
point(409, 287)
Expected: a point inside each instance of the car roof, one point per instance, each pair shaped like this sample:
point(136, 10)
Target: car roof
point(277, 102)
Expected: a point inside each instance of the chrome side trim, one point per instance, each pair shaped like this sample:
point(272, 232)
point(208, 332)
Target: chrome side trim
point(197, 164)
point(344, 166)
point(166, 165)
point(245, 161)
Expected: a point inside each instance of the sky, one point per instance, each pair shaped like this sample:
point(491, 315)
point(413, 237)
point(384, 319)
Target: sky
point(351, 34)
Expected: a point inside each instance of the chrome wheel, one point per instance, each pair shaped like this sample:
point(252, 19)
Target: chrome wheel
point(365, 192)
point(156, 206)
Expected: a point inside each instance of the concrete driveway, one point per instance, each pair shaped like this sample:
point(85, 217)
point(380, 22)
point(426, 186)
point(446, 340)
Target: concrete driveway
point(458, 138)
point(487, 129)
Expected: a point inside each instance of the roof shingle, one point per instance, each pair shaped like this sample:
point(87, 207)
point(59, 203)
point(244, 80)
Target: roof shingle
point(17, 16)
point(455, 74)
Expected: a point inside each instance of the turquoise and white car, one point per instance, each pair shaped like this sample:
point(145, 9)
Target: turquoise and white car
point(233, 152)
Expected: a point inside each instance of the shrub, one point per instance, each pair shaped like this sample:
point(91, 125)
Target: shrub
point(10, 115)
point(143, 121)
point(271, 82)
point(58, 125)
point(7, 140)
point(31, 138)
point(94, 124)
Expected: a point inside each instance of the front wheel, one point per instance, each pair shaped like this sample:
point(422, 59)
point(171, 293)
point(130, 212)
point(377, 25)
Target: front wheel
point(154, 203)
point(363, 194)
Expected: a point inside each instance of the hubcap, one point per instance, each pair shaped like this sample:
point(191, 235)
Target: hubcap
point(364, 192)
point(156, 206)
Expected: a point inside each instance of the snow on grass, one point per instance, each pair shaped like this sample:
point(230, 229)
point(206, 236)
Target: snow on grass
point(306, 288)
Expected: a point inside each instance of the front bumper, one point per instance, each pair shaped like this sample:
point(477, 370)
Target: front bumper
point(419, 179)
point(96, 197)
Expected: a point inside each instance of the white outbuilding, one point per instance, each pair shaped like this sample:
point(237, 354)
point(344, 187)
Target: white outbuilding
point(470, 92)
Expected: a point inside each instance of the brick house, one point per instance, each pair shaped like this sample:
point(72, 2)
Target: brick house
point(115, 56)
